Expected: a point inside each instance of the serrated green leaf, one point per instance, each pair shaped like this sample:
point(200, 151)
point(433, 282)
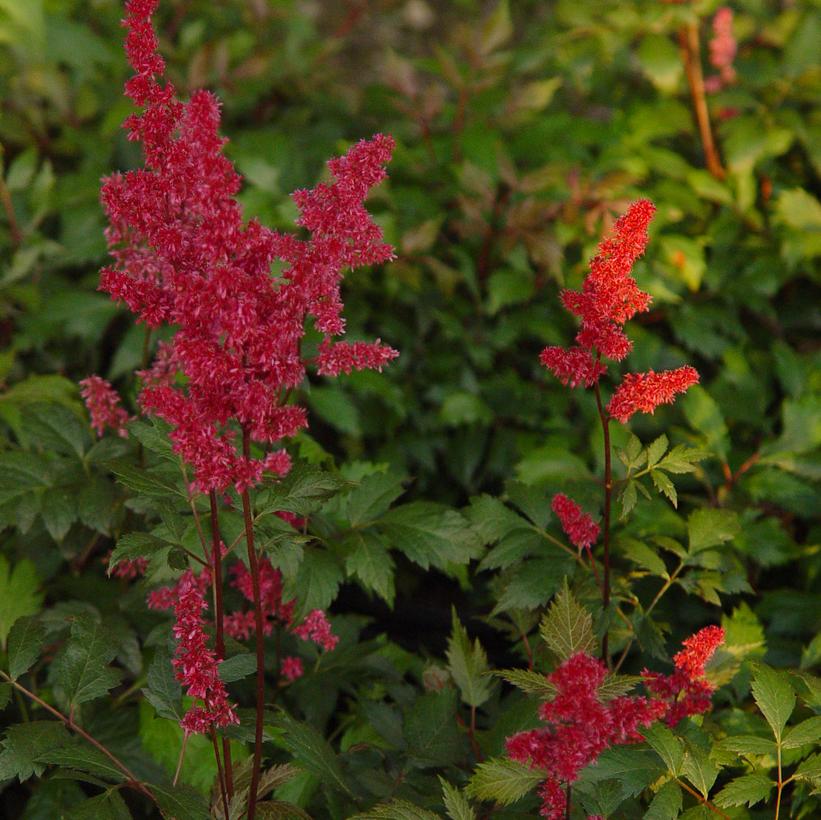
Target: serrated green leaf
point(153, 482)
point(59, 512)
point(492, 518)
point(614, 686)
point(371, 562)
point(810, 769)
point(745, 791)
point(302, 491)
point(135, 545)
point(639, 553)
point(372, 498)
point(317, 581)
point(80, 671)
point(503, 781)
point(512, 548)
point(628, 497)
point(20, 594)
point(666, 804)
point(567, 627)
point(456, 804)
point(24, 743)
point(804, 733)
point(532, 583)
point(534, 683)
point(662, 482)
point(180, 802)
point(656, 450)
point(163, 690)
point(26, 639)
point(467, 665)
point(5, 695)
point(396, 810)
point(666, 745)
point(237, 667)
point(682, 459)
point(280, 810)
point(699, 770)
point(749, 745)
point(106, 806)
point(56, 428)
point(635, 769)
point(431, 732)
point(85, 758)
point(312, 752)
point(774, 696)
point(708, 527)
point(430, 534)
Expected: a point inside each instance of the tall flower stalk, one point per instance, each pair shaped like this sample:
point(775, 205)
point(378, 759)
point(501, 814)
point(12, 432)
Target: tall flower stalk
point(608, 299)
point(226, 382)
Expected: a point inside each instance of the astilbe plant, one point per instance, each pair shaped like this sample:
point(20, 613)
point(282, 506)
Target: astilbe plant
point(184, 257)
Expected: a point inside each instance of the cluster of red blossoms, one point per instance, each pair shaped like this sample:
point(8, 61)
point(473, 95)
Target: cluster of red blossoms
point(723, 47)
point(581, 725)
point(104, 407)
point(609, 298)
point(184, 257)
point(579, 527)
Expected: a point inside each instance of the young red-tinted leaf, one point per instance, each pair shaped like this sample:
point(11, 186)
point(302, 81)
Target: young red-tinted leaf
point(26, 639)
point(468, 665)
point(503, 781)
point(745, 791)
point(20, 593)
point(774, 697)
point(567, 628)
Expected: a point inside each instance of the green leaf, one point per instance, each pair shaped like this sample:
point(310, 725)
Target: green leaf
point(23, 745)
point(639, 553)
point(704, 415)
point(55, 427)
point(19, 594)
point(163, 690)
point(497, 28)
point(532, 583)
point(745, 791)
point(666, 745)
point(302, 491)
point(534, 683)
point(59, 512)
point(371, 562)
point(661, 481)
point(153, 482)
point(628, 498)
point(312, 752)
point(26, 639)
point(774, 696)
point(709, 527)
point(614, 686)
point(396, 810)
point(180, 802)
point(656, 450)
point(749, 745)
point(666, 804)
point(456, 804)
point(106, 806)
point(280, 810)
point(135, 545)
point(431, 732)
point(700, 770)
point(317, 581)
point(430, 534)
point(468, 665)
point(810, 769)
point(81, 668)
point(96, 504)
point(373, 496)
point(237, 667)
point(567, 628)
point(503, 781)
point(79, 755)
point(635, 769)
point(492, 519)
point(806, 732)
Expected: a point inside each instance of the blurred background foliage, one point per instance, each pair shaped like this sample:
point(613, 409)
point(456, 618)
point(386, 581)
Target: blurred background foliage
point(523, 130)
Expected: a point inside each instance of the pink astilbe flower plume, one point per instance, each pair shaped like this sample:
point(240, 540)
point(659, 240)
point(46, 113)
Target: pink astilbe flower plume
point(580, 726)
point(104, 406)
point(723, 48)
point(644, 392)
point(183, 256)
point(579, 527)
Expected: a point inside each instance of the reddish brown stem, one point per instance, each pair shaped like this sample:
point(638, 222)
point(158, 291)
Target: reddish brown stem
point(260, 637)
point(8, 207)
point(608, 493)
point(690, 46)
point(219, 617)
point(131, 779)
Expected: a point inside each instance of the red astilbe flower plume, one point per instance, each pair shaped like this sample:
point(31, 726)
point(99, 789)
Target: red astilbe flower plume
point(686, 691)
point(608, 299)
point(196, 664)
point(183, 256)
point(580, 726)
point(644, 392)
point(104, 406)
point(723, 48)
point(579, 527)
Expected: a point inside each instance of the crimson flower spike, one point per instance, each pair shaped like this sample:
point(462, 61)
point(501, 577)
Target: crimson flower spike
point(183, 256)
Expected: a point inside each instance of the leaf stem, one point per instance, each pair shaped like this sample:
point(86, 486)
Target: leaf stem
point(220, 773)
point(132, 779)
point(702, 799)
point(780, 785)
point(260, 638)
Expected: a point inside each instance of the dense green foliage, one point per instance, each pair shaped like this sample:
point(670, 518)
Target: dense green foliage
point(523, 129)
